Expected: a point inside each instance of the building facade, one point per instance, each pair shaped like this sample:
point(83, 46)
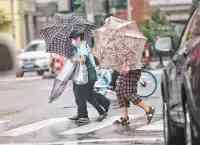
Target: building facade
point(14, 12)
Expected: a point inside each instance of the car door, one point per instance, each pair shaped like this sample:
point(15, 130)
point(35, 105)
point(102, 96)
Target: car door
point(193, 84)
point(175, 74)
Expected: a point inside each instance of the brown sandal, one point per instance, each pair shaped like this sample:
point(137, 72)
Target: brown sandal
point(123, 121)
point(150, 115)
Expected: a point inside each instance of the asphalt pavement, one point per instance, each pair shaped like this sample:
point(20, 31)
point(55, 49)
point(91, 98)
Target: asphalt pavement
point(27, 118)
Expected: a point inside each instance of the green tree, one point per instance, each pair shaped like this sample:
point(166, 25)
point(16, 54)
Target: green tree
point(79, 6)
point(157, 26)
point(196, 3)
point(3, 18)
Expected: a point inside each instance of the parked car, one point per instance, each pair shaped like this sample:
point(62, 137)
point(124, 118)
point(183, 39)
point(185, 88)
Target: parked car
point(7, 52)
point(33, 58)
point(181, 89)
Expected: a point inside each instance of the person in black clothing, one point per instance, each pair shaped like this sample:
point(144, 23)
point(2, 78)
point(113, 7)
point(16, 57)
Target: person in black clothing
point(84, 93)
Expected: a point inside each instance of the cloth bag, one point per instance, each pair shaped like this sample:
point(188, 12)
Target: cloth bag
point(61, 80)
point(80, 75)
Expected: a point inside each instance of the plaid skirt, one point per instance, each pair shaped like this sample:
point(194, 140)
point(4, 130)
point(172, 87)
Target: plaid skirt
point(126, 88)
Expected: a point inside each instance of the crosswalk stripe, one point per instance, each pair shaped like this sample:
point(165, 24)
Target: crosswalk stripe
point(20, 79)
point(33, 127)
point(95, 125)
point(3, 125)
point(138, 140)
point(155, 126)
point(4, 121)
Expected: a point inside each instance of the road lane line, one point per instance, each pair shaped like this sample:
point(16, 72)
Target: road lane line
point(33, 127)
point(93, 126)
point(20, 79)
point(3, 125)
point(155, 126)
point(133, 140)
point(4, 121)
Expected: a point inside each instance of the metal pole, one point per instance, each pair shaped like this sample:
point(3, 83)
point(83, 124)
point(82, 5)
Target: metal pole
point(90, 10)
point(71, 5)
point(130, 8)
point(12, 9)
point(107, 8)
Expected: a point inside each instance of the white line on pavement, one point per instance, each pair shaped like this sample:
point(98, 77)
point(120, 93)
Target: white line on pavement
point(4, 121)
point(155, 126)
point(138, 140)
point(20, 79)
point(3, 125)
point(33, 127)
point(95, 125)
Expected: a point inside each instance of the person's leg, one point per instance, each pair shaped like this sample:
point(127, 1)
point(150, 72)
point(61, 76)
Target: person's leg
point(126, 112)
point(102, 100)
point(149, 110)
point(124, 104)
point(144, 106)
point(80, 100)
point(136, 100)
point(75, 89)
point(92, 100)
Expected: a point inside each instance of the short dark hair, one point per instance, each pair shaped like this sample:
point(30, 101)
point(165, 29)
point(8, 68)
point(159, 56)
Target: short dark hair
point(75, 34)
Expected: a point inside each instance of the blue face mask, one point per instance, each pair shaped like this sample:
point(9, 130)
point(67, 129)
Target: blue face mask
point(76, 43)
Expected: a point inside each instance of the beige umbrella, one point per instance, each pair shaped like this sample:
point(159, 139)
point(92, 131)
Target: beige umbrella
point(119, 41)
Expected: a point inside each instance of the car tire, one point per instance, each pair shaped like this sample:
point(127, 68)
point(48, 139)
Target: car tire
point(19, 74)
point(189, 128)
point(7, 52)
point(165, 124)
point(40, 72)
point(173, 134)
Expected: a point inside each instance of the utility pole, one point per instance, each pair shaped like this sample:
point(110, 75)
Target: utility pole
point(89, 4)
point(107, 8)
point(12, 10)
point(130, 9)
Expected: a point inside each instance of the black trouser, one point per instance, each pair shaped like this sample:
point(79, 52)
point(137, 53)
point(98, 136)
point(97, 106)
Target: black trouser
point(101, 99)
point(84, 93)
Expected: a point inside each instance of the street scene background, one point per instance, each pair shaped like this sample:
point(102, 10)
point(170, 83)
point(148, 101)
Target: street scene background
point(26, 117)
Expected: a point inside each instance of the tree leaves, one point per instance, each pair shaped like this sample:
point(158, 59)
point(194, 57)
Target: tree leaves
point(3, 18)
point(157, 26)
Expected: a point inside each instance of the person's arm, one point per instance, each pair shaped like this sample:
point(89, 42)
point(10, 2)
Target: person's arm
point(125, 68)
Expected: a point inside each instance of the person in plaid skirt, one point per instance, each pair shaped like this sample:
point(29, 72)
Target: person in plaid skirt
point(126, 90)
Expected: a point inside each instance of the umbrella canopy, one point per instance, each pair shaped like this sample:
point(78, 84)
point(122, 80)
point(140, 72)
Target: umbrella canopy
point(119, 41)
point(57, 33)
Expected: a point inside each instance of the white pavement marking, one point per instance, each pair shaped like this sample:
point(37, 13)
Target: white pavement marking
point(33, 127)
point(3, 125)
point(95, 125)
point(4, 121)
point(133, 140)
point(156, 126)
point(20, 79)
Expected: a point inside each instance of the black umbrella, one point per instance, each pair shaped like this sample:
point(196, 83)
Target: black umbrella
point(57, 34)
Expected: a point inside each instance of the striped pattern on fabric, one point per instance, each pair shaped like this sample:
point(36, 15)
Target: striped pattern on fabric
point(57, 33)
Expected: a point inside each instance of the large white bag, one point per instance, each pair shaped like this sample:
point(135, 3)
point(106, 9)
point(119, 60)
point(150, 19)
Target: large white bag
point(80, 75)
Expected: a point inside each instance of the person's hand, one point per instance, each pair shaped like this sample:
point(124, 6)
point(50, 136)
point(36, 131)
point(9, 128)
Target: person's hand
point(75, 60)
point(82, 60)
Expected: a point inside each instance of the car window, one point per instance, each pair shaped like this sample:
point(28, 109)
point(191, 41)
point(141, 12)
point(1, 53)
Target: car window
point(36, 47)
